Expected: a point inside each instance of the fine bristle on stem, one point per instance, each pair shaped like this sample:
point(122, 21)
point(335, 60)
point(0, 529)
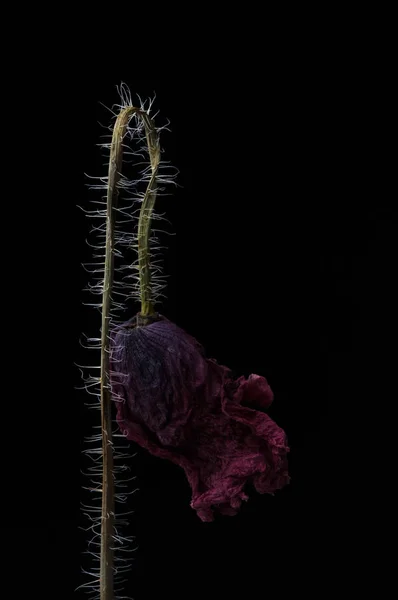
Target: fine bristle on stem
point(114, 175)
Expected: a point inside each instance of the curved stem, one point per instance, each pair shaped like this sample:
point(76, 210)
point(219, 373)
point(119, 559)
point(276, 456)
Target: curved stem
point(144, 222)
point(115, 166)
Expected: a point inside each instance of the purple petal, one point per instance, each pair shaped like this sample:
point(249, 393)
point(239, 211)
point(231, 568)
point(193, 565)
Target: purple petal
point(188, 409)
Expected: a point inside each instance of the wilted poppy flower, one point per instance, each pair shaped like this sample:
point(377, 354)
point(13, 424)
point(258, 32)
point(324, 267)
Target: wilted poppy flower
point(188, 409)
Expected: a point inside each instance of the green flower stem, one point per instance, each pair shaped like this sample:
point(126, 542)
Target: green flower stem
point(115, 166)
point(144, 222)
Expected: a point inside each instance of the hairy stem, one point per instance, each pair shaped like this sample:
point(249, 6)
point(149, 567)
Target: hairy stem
point(144, 222)
point(108, 509)
point(115, 166)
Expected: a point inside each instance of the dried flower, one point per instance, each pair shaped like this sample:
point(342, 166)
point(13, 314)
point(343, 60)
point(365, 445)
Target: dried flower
point(188, 409)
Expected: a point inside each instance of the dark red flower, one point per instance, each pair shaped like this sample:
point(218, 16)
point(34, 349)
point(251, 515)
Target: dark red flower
point(186, 408)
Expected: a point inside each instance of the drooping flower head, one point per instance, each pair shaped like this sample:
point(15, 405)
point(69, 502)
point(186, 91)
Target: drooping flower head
point(181, 406)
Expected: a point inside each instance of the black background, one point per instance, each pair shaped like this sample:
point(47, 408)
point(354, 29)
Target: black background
point(268, 269)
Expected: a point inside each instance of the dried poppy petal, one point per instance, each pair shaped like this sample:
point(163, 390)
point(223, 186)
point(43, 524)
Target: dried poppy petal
point(188, 409)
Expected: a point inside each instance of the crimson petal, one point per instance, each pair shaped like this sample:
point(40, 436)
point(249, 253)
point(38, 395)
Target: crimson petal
point(181, 406)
